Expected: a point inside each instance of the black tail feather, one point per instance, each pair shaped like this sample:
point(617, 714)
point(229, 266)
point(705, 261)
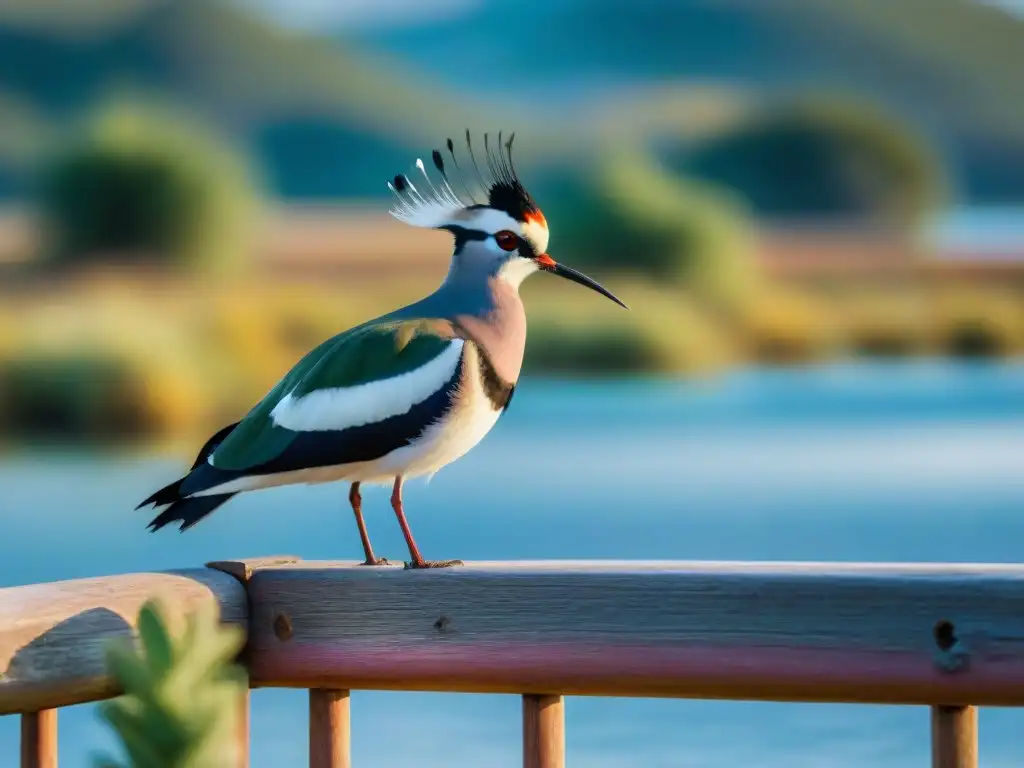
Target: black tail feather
point(189, 511)
point(172, 493)
point(166, 495)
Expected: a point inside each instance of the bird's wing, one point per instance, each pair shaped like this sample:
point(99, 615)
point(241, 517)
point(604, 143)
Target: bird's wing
point(354, 398)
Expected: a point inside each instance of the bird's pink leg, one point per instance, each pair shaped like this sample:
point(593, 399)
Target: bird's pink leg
point(356, 500)
point(414, 551)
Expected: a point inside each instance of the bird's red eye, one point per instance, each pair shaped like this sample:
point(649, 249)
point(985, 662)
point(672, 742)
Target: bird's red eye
point(506, 240)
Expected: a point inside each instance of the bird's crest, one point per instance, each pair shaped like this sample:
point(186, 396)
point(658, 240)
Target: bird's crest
point(435, 205)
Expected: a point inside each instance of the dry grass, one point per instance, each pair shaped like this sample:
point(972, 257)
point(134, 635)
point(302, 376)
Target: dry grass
point(978, 323)
point(784, 325)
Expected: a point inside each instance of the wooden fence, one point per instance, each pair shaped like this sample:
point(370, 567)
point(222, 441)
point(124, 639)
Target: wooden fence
point(948, 636)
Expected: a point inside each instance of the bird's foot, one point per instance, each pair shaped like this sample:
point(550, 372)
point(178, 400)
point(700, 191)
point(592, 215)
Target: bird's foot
point(376, 561)
point(417, 564)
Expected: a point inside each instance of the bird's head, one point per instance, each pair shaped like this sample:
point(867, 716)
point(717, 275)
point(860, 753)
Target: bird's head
point(502, 232)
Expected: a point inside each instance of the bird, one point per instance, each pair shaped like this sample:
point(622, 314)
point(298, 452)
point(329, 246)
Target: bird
point(411, 391)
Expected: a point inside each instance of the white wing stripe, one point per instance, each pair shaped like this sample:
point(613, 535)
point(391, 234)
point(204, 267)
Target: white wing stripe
point(345, 407)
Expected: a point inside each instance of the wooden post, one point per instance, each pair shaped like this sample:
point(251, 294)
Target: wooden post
point(543, 731)
point(39, 739)
point(330, 741)
point(954, 737)
point(242, 735)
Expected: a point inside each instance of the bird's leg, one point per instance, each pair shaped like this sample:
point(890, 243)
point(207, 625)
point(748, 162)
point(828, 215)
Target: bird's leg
point(414, 551)
point(396, 504)
point(356, 500)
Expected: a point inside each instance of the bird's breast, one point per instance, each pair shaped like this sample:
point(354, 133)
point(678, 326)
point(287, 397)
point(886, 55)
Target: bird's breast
point(478, 403)
point(500, 333)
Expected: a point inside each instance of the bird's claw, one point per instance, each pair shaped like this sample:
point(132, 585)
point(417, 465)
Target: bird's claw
point(414, 565)
point(376, 561)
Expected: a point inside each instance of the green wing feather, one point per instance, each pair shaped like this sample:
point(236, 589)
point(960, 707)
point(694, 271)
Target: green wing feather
point(371, 352)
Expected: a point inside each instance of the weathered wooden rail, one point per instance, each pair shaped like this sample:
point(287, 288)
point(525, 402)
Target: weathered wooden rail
point(947, 636)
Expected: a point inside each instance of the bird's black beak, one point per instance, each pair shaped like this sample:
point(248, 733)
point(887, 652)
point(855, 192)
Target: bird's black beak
point(547, 264)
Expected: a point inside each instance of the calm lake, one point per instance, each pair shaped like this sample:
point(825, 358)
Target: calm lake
point(921, 461)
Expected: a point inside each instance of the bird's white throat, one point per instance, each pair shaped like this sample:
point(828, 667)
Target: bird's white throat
point(517, 269)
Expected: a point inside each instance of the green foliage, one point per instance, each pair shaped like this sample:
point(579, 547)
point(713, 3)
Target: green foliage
point(671, 335)
point(182, 694)
point(605, 349)
point(783, 326)
point(144, 185)
point(80, 395)
point(974, 325)
point(629, 215)
point(824, 159)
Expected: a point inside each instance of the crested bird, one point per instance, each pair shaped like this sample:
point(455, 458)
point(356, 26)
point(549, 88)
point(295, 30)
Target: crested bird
point(411, 391)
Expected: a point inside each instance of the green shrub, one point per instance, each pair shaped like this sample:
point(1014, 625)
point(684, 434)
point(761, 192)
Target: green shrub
point(885, 340)
point(596, 350)
point(883, 323)
point(144, 185)
point(669, 335)
point(629, 215)
point(782, 326)
point(73, 396)
point(980, 325)
point(182, 694)
point(822, 158)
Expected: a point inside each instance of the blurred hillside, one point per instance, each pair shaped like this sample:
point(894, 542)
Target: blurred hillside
point(323, 122)
point(330, 120)
point(951, 66)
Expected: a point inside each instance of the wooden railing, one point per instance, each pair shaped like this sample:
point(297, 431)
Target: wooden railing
point(948, 636)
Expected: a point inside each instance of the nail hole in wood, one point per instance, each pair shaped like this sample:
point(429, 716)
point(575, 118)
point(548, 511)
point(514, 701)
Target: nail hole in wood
point(283, 627)
point(945, 635)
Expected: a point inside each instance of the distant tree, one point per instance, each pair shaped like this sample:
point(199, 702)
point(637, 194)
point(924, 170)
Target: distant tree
point(144, 184)
point(823, 159)
point(627, 214)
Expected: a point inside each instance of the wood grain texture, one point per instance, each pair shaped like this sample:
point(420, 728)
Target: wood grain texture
point(39, 739)
point(330, 736)
point(915, 634)
point(543, 731)
point(954, 737)
point(53, 636)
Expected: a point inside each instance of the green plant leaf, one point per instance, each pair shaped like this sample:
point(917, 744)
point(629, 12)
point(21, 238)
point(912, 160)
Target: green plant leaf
point(129, 670)
point(155, 640)
point(182, 692)
point(138, 743)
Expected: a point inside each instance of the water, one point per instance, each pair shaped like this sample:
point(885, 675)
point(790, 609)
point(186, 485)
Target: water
point(895, 462)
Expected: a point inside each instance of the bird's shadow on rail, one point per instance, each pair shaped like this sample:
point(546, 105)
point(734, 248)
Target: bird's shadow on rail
point(68, 649)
